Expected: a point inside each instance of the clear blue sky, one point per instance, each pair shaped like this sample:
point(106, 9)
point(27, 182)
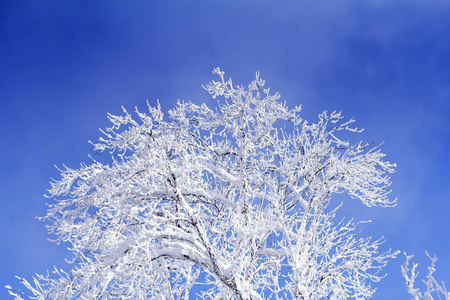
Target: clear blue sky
point(65, 64)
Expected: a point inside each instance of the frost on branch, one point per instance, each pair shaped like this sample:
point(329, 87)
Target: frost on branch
point(224, 203)
point(433, 287)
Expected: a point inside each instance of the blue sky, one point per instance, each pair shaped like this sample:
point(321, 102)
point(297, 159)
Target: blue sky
point(64, 65)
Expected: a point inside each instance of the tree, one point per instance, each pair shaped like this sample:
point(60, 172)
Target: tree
point(230, 203)
point(433, 287)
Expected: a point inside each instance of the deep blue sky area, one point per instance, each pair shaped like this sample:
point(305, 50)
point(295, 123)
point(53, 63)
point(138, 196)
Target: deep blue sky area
point(65, 64)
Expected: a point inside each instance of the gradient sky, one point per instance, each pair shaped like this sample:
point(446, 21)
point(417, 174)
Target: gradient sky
point(65, 64)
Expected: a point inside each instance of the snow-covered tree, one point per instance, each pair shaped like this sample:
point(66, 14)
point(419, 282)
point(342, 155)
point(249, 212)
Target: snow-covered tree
point(234, 202)
point(433, 287)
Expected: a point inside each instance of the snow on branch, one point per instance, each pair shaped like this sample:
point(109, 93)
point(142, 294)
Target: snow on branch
point(434, 288)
